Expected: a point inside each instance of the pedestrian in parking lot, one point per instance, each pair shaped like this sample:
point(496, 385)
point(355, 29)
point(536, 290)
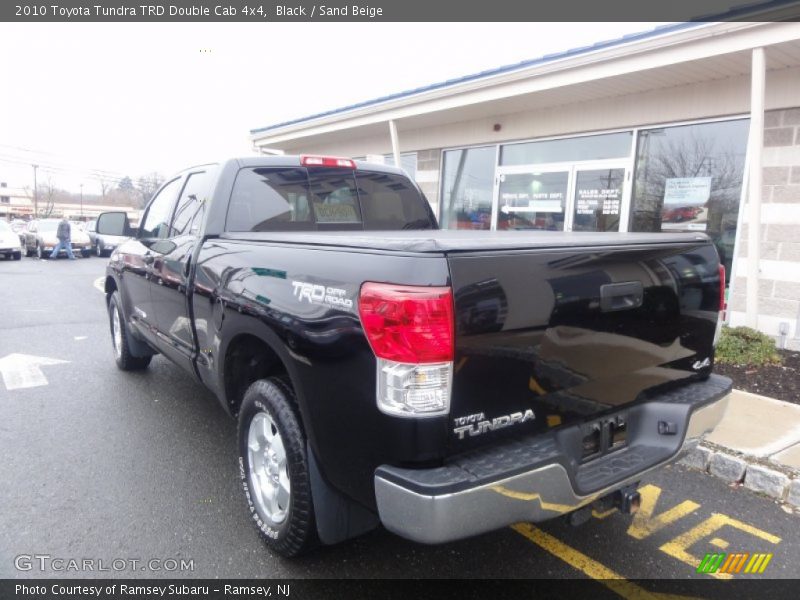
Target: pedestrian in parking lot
point(64, 235)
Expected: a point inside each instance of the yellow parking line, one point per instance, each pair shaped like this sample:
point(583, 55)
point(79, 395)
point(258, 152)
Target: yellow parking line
point(99, 284)
point(586, 565)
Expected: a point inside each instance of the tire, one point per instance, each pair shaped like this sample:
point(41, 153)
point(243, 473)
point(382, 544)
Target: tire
point(283, 513)
point(97, 249)
point(28, 251)
point(119, 339)
point(86, 253)
point(40, 252)
point(18, 255)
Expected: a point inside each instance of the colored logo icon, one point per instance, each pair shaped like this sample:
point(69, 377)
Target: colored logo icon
point(742, 562)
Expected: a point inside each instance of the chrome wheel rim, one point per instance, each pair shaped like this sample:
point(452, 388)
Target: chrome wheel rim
point(268, 473)
point(39, 251)
point(97, 250)
point(116, 331)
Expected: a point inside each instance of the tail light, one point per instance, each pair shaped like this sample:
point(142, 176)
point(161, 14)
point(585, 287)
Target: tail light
point(410, 330)
point(327, 161)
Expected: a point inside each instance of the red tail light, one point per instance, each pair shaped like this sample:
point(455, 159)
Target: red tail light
point(408, 324)
point(722, 289)
point(327, 161)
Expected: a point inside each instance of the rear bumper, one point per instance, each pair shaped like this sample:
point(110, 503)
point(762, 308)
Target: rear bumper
point(533, 480)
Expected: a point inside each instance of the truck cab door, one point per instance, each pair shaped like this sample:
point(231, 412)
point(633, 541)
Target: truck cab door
point(172, 270)
point(138, 258)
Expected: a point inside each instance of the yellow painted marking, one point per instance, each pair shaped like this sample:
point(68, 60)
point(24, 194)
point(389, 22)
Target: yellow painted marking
point(679, 546)
point(586, 565)
point(534, 386)
point(755, 561)
point(719, 543)
point(645, 524)
point(765, 563)
point(553, 420)
point(603, 515)
point(551, 506)
point(100, 284)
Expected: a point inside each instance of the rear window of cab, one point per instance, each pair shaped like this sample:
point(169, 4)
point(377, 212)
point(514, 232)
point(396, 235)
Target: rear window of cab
point(324, 199)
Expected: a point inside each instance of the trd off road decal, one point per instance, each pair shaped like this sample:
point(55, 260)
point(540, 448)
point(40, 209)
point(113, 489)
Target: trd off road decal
point(320, 294)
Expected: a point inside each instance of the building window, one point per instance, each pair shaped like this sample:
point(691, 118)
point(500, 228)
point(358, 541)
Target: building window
point(588, 147)
point(467, 188)
point(5, 199)
point(689, 178)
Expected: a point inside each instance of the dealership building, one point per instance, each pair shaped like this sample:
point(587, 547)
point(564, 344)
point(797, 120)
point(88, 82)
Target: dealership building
point(689, 127)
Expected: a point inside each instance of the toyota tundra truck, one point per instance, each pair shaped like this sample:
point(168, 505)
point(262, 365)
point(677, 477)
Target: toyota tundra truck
point(384, 371)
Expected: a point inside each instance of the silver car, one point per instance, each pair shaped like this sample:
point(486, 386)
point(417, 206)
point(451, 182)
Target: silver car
point(103, 244)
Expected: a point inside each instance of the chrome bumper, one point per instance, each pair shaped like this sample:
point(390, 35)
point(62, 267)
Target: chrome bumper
point(537, 495)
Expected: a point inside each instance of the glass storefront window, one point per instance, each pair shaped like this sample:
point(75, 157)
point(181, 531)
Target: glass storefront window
point(589, 147)
point(598, 199)
point(689, 178)
point(467, 188)
point(533, 200)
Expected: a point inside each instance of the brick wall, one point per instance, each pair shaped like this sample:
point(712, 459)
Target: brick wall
point(779, 281)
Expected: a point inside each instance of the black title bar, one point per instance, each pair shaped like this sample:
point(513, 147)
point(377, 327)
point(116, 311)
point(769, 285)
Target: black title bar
point(398, 11)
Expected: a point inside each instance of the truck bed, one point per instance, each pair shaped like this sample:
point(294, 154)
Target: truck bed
point(451, 241)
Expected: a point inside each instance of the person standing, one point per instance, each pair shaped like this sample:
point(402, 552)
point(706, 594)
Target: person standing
point(64, 235)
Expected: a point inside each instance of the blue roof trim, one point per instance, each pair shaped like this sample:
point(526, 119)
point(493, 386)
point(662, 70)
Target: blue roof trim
point(737, 12)
point(490, 72)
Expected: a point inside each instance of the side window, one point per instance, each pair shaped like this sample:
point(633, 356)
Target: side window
point(156, 222)
point(192, 204)
point(270, 199)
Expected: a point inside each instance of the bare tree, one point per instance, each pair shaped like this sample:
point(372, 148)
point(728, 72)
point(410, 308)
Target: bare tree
point(147, 185)
point(47, 193)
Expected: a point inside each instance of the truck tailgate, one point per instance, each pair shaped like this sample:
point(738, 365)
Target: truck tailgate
point(550, 337)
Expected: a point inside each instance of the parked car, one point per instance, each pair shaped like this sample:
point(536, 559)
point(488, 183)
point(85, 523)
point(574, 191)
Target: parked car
point(40, 239)
point(103, 245)
point(9, 242)
point(443, 383)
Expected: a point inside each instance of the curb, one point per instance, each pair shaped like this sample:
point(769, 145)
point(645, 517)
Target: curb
point(779, 482)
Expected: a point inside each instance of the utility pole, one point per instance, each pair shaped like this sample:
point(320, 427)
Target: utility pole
point(35, 194)
point(81, 202)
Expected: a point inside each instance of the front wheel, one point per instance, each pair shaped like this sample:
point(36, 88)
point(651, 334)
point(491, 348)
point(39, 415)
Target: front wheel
point(86, 253)
point(274, 468)
point(97, 250)
point(17, 255)
point(119, 338)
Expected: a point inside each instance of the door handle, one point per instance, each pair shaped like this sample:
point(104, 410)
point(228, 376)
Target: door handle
point(621, 296)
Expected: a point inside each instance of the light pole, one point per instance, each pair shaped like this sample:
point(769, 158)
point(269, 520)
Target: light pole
point(81, 202)
point(35, 194)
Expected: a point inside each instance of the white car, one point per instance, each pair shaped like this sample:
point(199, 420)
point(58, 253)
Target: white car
point(103, 243)
point(9, 242)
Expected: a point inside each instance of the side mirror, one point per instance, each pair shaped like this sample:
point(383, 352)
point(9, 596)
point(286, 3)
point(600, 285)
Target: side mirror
point(114, 223)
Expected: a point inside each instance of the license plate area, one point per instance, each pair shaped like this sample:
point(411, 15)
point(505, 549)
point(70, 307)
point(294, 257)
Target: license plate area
point(602, 436)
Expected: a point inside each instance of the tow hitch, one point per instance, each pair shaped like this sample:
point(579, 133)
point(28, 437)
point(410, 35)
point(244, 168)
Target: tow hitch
point(627, 501)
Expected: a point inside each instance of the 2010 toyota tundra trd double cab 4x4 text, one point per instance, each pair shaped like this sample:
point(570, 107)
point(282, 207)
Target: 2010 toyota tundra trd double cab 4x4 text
point(442, 383)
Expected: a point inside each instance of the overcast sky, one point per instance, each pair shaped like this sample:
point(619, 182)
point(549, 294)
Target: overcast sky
point(136, 98)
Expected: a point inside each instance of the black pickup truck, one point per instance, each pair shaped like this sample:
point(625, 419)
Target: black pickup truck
point(442, 383)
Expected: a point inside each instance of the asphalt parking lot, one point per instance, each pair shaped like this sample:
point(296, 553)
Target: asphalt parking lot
point(101, 464)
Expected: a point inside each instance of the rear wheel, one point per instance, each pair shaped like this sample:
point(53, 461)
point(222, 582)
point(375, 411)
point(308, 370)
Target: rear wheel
point(119, 338)
point(274, 468)
point(17, 255)
point(86, 253)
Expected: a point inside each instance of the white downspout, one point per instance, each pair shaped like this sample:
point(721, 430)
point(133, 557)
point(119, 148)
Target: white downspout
point(395, 144)
point(754, 209)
